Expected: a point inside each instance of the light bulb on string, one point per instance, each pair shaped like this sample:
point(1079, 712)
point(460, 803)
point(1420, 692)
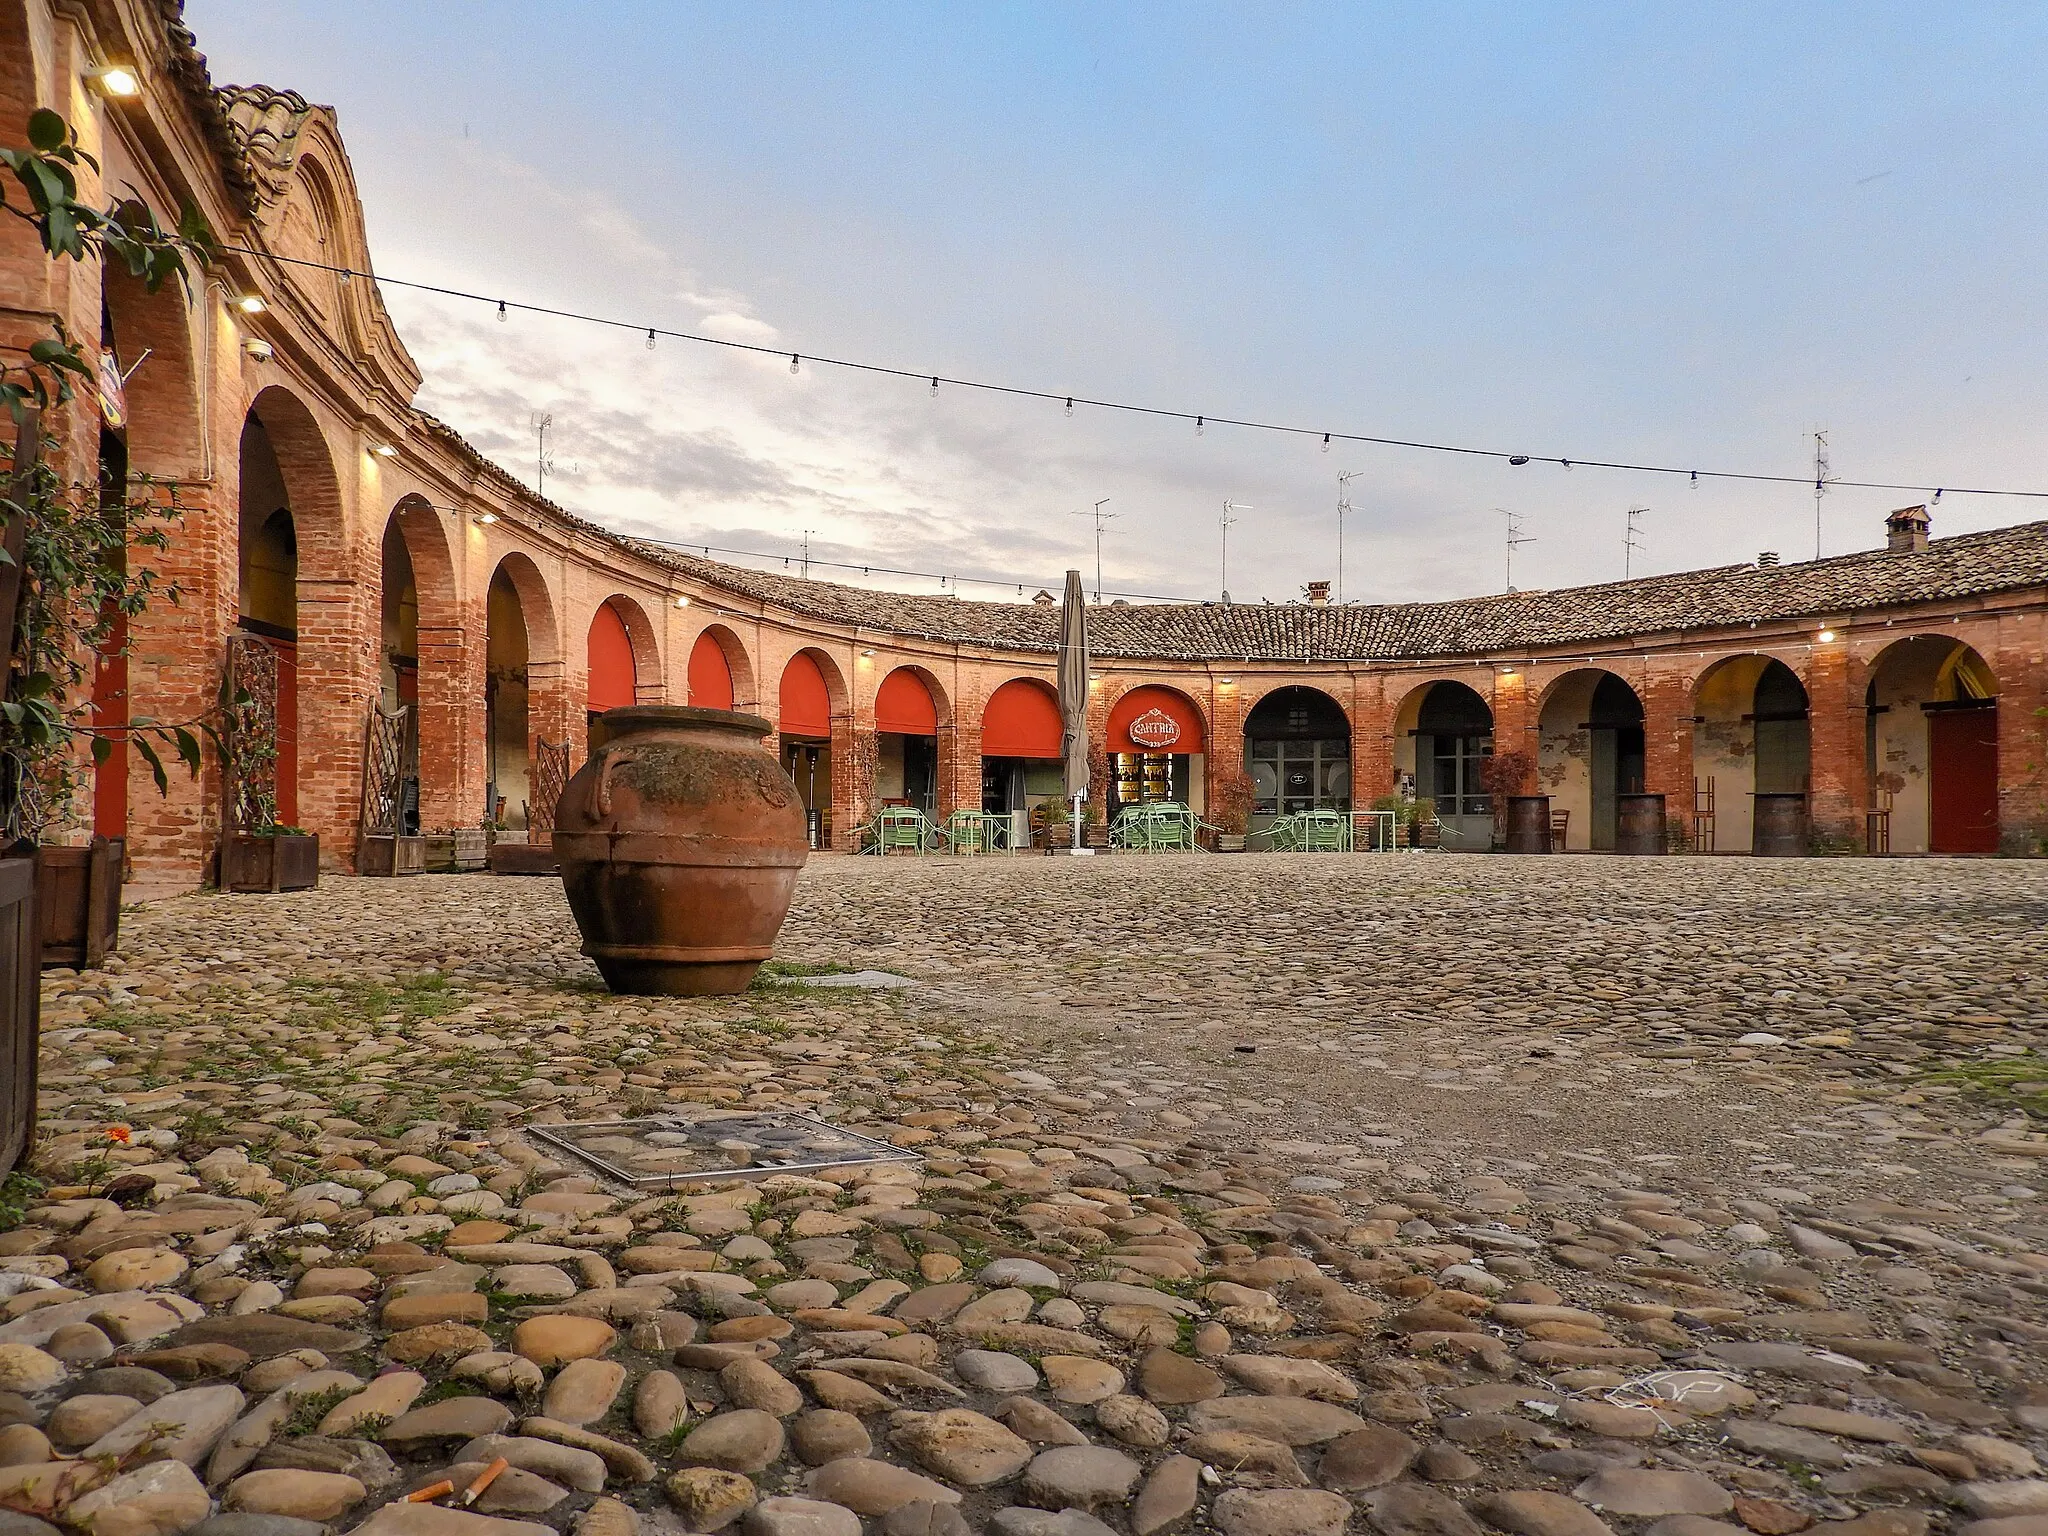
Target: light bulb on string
point(1695, 479)
point(650, 338)
point(1070, 405)
point(935, 386)
point(1937, 495)
point(501, 311)
point(1198, 426)
point(1326, 442)
point(795, 362)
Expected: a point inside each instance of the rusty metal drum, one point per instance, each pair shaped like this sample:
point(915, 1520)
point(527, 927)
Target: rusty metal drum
point(1639, 824)
point(680, 840)
point(1528, 823)
point(1779, 828)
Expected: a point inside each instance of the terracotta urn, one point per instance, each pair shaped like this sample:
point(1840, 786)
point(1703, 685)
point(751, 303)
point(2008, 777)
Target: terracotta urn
point(679, 842)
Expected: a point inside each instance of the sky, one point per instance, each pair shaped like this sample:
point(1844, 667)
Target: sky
point(1672, 235)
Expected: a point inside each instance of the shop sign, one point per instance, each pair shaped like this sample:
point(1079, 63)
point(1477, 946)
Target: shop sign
point(113, 397)
point(1155, 729)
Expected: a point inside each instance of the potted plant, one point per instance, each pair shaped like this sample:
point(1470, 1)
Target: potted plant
point(457, 850)
point(270, 858)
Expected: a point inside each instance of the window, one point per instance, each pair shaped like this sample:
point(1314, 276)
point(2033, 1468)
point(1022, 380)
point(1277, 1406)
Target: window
point(1459, 789)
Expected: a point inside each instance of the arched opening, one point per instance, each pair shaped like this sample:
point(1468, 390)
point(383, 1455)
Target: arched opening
point(1590, 750)
point(1751, 736)
point(612, 680)
point(804, 719)
point(1932, 743)
point(1297, 748)
point(1443, 734)
point(398, 666)
point(710, 674)
point(907, 742)
point(507, 749)
point(1157, 748)
point(1020, 748)
point(268, 593)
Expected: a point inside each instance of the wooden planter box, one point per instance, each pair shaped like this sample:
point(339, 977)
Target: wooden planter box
point(78, 902)
point(392, 856)
point(20, 1007)
point(464, 849)
point(522, 857)
point(285, 861)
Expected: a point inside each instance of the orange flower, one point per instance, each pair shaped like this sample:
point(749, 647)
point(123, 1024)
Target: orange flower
point(118, 1134)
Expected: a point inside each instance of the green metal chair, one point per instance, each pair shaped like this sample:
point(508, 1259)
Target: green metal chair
point(903, 829)
point(969, 833)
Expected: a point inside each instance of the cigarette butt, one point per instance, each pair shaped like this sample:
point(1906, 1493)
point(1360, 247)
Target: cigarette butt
point(484, 1479)
point(430, 1493)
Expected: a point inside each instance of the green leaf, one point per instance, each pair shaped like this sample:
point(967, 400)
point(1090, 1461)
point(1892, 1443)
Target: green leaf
point(156, 764)
point(188, 749)
point(47, 130)
point(102, 749)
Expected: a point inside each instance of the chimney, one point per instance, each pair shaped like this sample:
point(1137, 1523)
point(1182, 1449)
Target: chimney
point(1906, 529)
point(1318, 593)
point(1768, 557)
point(1044, 599)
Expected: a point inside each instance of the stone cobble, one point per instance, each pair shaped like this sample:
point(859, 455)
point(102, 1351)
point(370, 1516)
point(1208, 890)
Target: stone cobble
point(1419, 1194)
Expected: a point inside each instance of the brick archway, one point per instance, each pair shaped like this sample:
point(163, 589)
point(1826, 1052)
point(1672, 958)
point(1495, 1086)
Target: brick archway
point(443, 684)
point(525, 687)
point(332, 679)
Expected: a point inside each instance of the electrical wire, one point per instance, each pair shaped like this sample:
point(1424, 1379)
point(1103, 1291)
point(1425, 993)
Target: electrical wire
point(1199, 419)
point(867, 568)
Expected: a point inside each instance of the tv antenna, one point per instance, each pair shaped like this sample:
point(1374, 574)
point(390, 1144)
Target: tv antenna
point(1516, 538)
point(1632, 541)
point(543, 460)
point(1820, 482)
point(1101, 517)
point(807, 553)
point(1344, 479)
point(1228, 508)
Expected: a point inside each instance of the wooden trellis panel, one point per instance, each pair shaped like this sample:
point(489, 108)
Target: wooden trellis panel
point(386, 762)
point(250, 777)
point(550, 775)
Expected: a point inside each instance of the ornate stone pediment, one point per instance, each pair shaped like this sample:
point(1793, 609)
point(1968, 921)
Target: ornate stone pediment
point(265, 123)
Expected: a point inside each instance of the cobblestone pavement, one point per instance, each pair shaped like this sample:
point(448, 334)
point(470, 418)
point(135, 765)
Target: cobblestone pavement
point(1263, 1195)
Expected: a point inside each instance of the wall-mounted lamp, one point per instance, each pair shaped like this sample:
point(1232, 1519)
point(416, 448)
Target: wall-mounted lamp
point(257, 348)
point(868, 654)
point(115, 80)
point(682, 599)
point(1221, 682)
point(1827, 637)
point(384, 450)
point(484, 519)
point(251, 304)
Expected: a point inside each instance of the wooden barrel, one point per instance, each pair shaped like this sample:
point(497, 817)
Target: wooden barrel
point(1528, 824)
point(1639, 824)
point(1779, 827)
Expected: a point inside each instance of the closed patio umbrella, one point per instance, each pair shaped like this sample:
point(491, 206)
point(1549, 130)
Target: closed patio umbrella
point(1074, 698)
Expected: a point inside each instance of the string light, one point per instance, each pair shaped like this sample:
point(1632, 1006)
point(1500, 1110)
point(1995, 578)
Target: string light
point(1198, 426)
point(1326, 442)
point(650, 338)
point(935, 386)
point(1130, 408)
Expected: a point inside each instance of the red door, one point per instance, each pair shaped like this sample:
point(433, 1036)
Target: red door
point(1963, 789)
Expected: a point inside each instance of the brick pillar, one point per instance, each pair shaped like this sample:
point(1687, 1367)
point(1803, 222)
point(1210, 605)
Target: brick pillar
point(1668, 709)
point(2021, 666)
point(854, 753)
point(1229, 788)
point(451, 727)
point(548, 715)
point(1514, 719)
point(1372, 740)
point(960, 766)
point(1100, 763)
point(1835, 687)
point(175, 657)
